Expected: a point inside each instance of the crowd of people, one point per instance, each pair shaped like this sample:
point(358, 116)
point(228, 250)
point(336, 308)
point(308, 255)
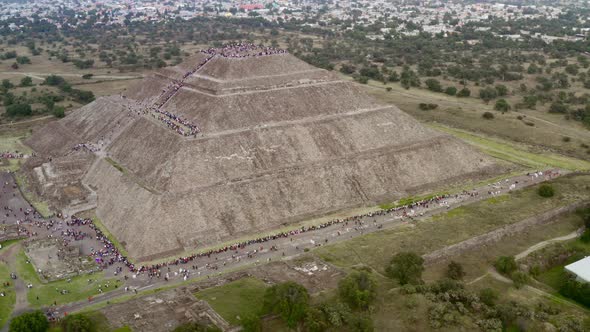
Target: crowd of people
point(233, 50)
point(11, 155)
point(243, 50)
point(86, 146)
point(172, 121)
point(153, 269)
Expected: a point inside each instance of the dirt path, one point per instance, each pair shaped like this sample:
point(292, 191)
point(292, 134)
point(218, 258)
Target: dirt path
point(543, 244)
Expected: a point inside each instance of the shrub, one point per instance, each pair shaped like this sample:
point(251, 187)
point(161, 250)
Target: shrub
point(77, 323)
point(30, 322)
point(451, 90)
point(502, 105)
point(433, 85)
point(506, 264)
point(575, 290)
point(358, 289)
point(455, 271)
point(546, 190)
point(406, 267)
point(26, 81)
point(502, 90)
point(558, 107)
point(19, 110)
point(196, 327)
point(566, 139)
point(363, 79)
point(251, 323)
point(388, 89)
point(488, 296)
point(585, 236)
point(488, 115)
point(488, 94)
point(59, 112)
point(465, 92)
point(519, 278)
point(427, 107)
point(289, 300)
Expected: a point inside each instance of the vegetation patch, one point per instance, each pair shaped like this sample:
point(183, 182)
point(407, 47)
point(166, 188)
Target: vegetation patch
point(61, 291)
point(434, 233)
point(517, 154)
point(116, 165)
point(236, 300)
point(7, 301)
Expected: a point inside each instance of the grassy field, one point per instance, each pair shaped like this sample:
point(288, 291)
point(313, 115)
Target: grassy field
point(517, 153)
point(45, 294)
point(476, 262)
point(8, 301)
point(553, 276)
point(233, 300)
point(12, 143)
point(8, 243)
point(544, 131)
point(376, 249)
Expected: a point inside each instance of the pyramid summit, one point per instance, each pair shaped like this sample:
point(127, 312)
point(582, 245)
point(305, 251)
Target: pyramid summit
point(233, 142)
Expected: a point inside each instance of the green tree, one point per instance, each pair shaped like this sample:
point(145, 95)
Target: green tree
point(558, 107)
point(30, 322)
point(23, 60)
point(406, 267)
point(26, 81)
point(488, 115)
point(455, 271)
point(19, 110)
point(506, 264)
point(59, 112)
point(546, 190)
point(251, 323)
point(530, 101)
point(6, 84)
point(360, 323)
point(502, 90)
point(488, 94)
point(451, 90)
point(54, 80)
point(433, 85)
point(465, 92)
point(196, 327)
point(502, 105)
point(77, 323)
point(488, 296)
point(358, 289)
point(289, 300)
point(519, 278)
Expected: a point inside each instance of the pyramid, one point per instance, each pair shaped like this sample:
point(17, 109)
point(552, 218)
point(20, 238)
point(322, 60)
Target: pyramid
point(234, 142)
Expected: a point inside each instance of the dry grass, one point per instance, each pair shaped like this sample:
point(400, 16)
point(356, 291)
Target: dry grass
point(425, 236)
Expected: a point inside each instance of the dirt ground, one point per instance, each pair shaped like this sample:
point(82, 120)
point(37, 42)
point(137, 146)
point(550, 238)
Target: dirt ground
point(312, 273)
point(161, 312)
point(54, 261)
